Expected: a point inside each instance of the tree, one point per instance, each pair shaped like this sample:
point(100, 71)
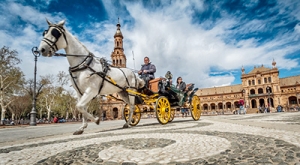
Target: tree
point(20, 107)
point(11, 78)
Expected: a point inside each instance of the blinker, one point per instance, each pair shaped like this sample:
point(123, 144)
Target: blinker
point(55, 33)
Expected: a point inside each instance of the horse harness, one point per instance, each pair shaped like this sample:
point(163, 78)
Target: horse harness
point(85, 64)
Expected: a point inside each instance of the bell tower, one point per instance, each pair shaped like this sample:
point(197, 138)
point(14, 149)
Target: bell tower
point(117, 56)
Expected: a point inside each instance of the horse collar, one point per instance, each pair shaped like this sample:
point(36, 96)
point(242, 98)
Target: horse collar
point(83, 65)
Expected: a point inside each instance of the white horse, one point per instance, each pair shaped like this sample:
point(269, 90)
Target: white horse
point(90, 76)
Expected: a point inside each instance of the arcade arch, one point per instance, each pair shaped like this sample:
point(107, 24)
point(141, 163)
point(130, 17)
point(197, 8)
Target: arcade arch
point(253, 103)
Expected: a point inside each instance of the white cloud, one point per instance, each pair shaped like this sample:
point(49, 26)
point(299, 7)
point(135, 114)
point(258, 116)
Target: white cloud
point(168, 36)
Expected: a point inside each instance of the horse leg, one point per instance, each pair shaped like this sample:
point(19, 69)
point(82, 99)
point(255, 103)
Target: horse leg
point(81, 106)
point(83, 126)
point(132, 107)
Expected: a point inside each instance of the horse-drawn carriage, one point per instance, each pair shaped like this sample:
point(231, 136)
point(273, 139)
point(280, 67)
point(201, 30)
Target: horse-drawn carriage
point(162, 98)
point(92, 76)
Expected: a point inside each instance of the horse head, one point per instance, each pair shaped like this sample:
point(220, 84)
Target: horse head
point(54, 39)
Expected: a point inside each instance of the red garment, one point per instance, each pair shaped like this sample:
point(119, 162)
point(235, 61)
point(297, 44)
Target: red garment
point(55, 120)
point(241, 102)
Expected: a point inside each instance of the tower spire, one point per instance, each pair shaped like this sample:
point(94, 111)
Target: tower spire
point(118, 57)
point(274, 63)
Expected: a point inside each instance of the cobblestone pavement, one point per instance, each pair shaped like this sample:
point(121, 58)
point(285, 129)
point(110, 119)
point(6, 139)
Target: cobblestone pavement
point(235, 139)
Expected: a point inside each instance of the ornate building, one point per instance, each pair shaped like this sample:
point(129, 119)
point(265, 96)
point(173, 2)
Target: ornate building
point(260, 87)
point(112, 107)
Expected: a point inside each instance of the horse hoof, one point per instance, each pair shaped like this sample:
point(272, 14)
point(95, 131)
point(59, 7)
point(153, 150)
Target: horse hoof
point(125, 126)
point(79, 132)
point(97, 121)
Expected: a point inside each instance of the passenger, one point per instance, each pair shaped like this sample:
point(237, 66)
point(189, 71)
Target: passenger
point(147, 71)
point(180, 84)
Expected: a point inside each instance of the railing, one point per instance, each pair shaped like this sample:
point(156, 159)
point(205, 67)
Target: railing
point(261, 94)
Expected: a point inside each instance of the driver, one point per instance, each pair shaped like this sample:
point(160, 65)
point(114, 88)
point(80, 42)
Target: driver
point(147, 71)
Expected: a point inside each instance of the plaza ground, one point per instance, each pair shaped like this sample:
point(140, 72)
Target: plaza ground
point(272, 138)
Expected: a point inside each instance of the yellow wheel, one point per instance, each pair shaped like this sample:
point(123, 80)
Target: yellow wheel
point(136, 116)
point(163, 110)
point(195, 108)
point(172, 115)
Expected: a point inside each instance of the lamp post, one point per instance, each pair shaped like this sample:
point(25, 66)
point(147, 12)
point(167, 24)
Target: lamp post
point(244, 93)
point(36, 54)
point(269, 102)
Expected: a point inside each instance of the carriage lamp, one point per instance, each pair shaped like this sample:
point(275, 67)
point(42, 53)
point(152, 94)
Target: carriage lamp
point(36, 54)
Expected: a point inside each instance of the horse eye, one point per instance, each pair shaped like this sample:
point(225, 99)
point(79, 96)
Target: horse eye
point(45, 32)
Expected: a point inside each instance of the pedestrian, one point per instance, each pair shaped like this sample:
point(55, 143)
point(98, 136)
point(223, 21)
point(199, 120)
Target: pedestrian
point(241, 106)
point(183, 112)
point(55, 120)
point(266, 110)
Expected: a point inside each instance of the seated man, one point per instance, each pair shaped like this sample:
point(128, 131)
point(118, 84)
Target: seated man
point(147, 71)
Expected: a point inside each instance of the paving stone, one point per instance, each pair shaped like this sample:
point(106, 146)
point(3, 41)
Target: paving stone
point(195, 143)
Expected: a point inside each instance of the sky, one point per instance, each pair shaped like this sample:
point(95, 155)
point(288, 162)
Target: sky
point(206, 42)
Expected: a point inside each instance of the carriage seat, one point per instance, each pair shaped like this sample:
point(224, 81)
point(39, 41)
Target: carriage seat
point(153, 84)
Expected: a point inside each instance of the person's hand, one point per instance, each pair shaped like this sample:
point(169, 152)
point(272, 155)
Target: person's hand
point(140, 72)
point(145, 71)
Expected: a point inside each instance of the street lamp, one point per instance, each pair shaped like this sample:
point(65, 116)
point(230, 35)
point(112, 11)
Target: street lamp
point(36, 54)
point(244, 93)
point(268, 90)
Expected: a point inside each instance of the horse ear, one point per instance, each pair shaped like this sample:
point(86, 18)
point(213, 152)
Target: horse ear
point(61, 23)
point(49, 23)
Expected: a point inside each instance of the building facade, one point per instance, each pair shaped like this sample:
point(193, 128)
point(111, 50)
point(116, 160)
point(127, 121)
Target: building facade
point(261, 87)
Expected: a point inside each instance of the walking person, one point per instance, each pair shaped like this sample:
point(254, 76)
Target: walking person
point(241, 104)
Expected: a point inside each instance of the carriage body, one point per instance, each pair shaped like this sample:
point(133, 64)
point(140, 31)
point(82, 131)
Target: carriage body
point(163, 99)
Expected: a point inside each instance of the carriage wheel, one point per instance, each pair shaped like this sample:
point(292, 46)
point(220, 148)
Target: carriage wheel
point(172, 115)
point(163, 110)
point(136, 116)
point(195, 108)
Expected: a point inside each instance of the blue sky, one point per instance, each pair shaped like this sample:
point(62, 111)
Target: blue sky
point(204, 41)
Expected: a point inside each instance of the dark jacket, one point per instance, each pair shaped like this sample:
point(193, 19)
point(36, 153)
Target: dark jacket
point(181, 86)
point(150, 69)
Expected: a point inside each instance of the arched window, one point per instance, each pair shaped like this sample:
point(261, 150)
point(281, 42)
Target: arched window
point(253, 82)
point(269, 79)
point(249, 82)
point(260, 91)
point(252, 91)
point(258, 81)
point(121, 62)
point(117, 44)
point(113, 62)
point(270, 89)
point(265, 80)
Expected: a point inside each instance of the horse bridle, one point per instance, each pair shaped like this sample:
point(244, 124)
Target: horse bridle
point(56, 33)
